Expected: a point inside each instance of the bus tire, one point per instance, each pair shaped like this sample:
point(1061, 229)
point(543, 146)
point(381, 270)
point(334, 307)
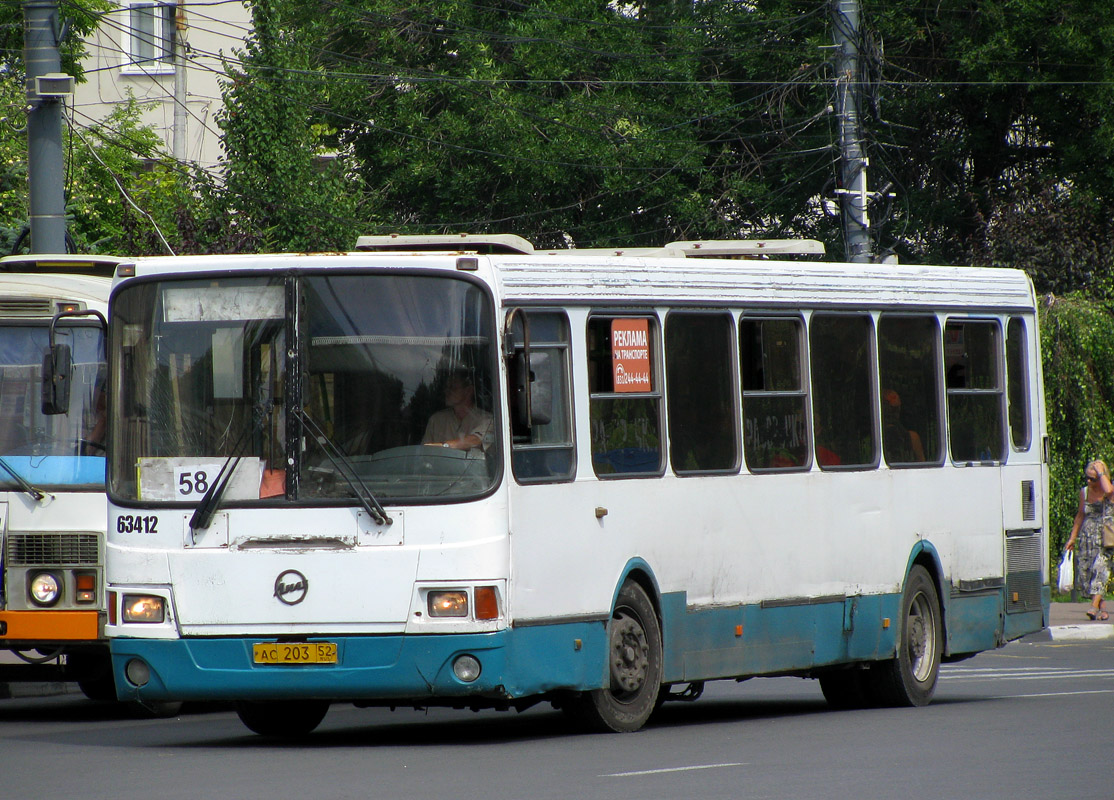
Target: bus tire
point(847, 689)
point(634, 666)
point(910, 678)
point(284, 719)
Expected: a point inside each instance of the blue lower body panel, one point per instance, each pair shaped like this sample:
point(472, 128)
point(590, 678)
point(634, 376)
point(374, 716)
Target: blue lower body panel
point(514, 663)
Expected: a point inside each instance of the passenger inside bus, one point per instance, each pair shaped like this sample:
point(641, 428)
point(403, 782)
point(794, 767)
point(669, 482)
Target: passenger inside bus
point(901, 444)
point(460, 425)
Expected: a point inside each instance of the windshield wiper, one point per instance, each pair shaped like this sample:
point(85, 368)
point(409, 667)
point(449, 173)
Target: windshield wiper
point(344, 466)
point(203, 514)
point(22, 482)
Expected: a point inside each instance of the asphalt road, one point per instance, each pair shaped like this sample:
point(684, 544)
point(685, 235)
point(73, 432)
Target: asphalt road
point(1029, 720)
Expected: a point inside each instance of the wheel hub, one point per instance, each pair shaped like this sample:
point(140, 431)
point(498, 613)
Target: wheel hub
point(629, 655)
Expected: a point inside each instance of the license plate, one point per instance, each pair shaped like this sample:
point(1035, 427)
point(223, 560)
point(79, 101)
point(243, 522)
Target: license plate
point(295, 653)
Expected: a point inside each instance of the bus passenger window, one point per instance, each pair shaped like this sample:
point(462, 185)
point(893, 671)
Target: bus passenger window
point(909, 371)
point(972, 354)
point(775, 429)
point(542, 448)
point(624, 403)
point(699, 387)
point(843, 402)
point(1017, 384)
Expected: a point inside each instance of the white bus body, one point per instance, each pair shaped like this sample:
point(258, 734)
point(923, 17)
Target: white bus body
point(726, 468)
point(52, 502)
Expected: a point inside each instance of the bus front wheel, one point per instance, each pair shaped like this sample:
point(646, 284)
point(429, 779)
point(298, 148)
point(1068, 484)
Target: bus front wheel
point(910, 678)
point(285, 719)
point(634, 667)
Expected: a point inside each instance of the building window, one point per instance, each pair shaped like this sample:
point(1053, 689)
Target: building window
point(149, 37)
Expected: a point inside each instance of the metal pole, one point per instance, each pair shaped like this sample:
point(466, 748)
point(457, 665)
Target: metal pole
point(853, 194)
point(45, 180)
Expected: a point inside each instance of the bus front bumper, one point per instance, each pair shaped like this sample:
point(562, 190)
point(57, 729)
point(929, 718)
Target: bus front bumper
point(513, 663)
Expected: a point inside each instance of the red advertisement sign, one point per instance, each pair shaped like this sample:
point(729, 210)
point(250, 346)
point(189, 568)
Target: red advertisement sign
point(630, 354)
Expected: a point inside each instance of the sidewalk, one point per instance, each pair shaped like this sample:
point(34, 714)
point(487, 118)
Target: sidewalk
point(1068, 621)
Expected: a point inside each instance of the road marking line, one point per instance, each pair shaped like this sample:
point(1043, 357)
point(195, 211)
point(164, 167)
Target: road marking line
point(1051, 694)
point(670, 769)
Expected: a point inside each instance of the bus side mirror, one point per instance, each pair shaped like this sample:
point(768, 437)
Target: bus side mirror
point(541, 388)
point(531, 390)
point(57, 364)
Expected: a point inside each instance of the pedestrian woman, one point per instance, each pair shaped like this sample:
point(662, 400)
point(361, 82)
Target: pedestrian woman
point(1092, 560)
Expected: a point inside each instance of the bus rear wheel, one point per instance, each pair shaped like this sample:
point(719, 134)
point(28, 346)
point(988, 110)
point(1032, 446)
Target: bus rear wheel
point(847, 688)
point(284, 719)
point(910, 678)
point(634, 666)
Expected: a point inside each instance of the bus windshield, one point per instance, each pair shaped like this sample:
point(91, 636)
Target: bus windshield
point(390, 378)
point(51, 450)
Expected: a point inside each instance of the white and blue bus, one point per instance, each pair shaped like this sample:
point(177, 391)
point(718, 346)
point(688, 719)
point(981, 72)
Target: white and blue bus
point(456, 471)
point(52, 464)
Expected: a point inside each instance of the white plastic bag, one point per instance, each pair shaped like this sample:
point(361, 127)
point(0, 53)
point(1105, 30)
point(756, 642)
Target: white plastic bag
point(1067, 571)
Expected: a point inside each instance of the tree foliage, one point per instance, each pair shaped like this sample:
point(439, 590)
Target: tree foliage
point(1077, 342)
point(571, 122)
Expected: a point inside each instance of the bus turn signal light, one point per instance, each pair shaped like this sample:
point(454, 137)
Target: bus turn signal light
point(487, 603)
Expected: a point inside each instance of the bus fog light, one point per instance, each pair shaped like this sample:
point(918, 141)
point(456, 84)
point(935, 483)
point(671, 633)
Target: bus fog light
point(448, 604)
point(466, 668)
point(45, 588)
point(143, 608)
point(137, 672)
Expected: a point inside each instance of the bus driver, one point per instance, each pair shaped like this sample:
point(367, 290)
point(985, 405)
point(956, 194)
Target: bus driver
point(460, 424)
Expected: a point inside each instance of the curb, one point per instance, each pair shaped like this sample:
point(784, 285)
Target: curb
point(1081, 632)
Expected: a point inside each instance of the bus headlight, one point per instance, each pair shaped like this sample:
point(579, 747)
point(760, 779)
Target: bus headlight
point(143, 608)
point(453, 603)
point(44, 588)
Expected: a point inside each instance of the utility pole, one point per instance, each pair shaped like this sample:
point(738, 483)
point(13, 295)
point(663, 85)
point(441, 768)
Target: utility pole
point(178, 145)
point(46, 88)
point(853, 194)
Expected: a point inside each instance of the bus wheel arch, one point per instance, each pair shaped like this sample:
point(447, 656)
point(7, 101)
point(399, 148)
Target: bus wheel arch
point(635, 663)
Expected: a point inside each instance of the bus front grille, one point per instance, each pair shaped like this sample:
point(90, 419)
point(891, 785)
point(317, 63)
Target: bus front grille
point(61, 549)
point(1023, 573)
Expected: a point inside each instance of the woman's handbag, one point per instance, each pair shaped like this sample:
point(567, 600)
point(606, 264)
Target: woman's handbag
point(1107, 524)
point(1067, 572)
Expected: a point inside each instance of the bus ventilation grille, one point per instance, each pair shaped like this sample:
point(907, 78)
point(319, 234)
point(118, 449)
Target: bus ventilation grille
point(1023, 573)
point(13, 306)
point(1028, 501)
point(31, 549)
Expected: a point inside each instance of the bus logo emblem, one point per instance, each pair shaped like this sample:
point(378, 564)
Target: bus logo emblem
point(291, 587)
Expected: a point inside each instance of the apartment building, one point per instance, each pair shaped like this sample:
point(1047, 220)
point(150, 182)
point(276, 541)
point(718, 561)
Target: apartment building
point(133, 54)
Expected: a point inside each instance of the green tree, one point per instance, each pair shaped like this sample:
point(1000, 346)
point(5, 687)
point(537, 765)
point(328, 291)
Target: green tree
point(78, 17)
point(282, 190)
point(567, 121)
point(983, 100)
point(1077, 342)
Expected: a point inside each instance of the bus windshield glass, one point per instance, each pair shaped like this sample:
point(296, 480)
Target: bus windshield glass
point(58, 450)
point(389, 378)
